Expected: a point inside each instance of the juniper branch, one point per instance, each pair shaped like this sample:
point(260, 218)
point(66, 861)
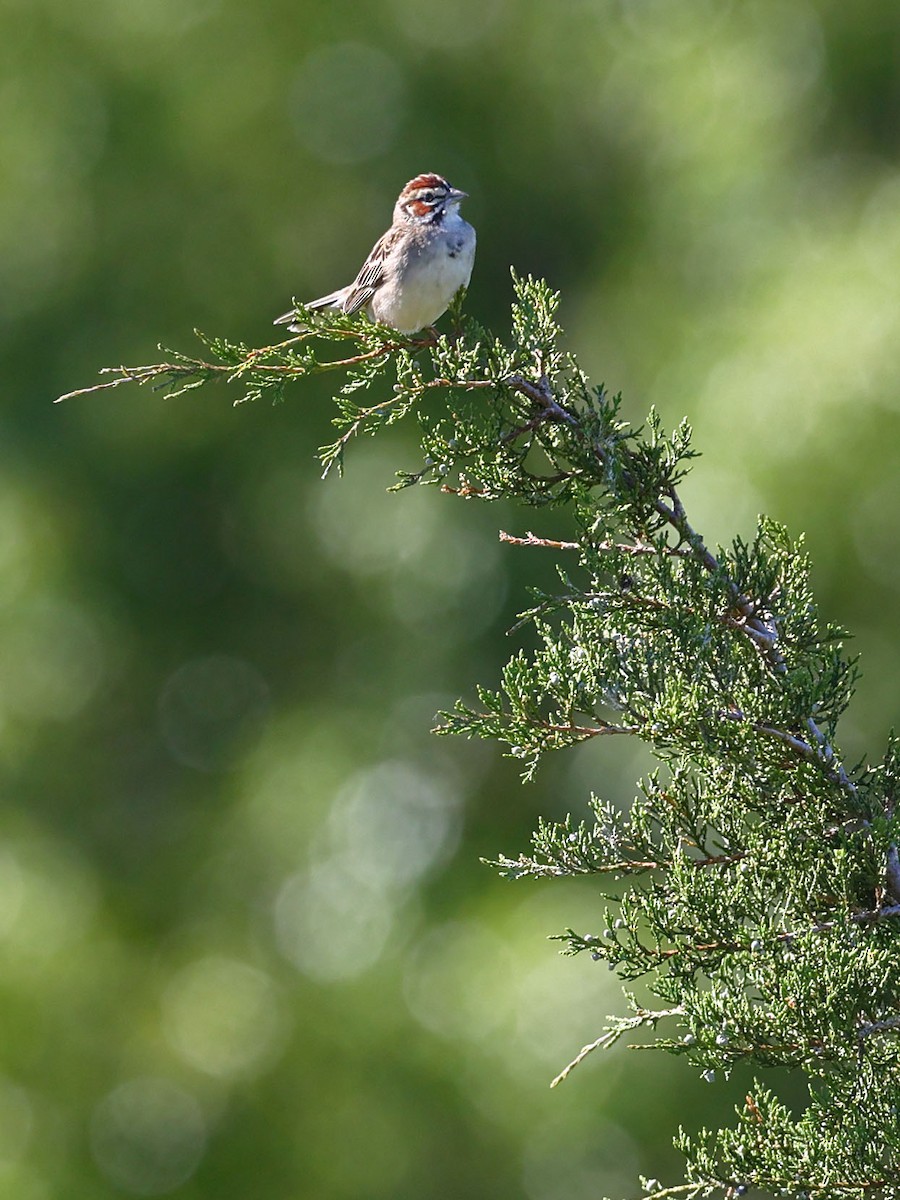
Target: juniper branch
point(757, 878)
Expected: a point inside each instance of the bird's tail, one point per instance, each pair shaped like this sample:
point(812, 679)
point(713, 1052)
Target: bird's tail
point(332, 300)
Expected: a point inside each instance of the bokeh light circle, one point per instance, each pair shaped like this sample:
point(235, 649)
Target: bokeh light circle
point(148, 1136)
point(223, 1017)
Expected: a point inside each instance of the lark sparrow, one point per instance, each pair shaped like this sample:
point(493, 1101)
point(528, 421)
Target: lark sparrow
point(416, 268)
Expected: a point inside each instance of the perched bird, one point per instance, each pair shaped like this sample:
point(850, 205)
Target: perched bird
point(416, 268)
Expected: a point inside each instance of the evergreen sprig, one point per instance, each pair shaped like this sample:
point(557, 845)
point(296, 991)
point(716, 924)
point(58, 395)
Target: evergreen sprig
point(754, 884)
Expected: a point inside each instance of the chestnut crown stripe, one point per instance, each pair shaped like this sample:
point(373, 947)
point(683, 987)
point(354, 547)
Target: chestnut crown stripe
point(422, 182)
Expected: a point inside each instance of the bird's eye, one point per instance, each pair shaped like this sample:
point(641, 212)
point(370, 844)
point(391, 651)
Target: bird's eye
point(428, 197)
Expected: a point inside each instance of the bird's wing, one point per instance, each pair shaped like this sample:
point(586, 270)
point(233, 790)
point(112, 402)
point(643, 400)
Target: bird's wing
point(362, 289)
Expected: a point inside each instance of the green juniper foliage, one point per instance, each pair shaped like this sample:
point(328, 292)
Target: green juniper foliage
point(754, 885)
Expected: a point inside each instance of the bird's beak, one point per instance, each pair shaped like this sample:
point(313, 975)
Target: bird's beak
point(456, 195)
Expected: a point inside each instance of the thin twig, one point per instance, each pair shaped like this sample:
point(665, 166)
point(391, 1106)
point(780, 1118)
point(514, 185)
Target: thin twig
point(187, 367)
point(138, 375)
point(531, 539)
point(642, 1017)
point(605, 547)
point(583, 732)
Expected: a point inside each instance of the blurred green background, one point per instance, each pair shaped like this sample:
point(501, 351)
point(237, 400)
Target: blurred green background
point(247, 946)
